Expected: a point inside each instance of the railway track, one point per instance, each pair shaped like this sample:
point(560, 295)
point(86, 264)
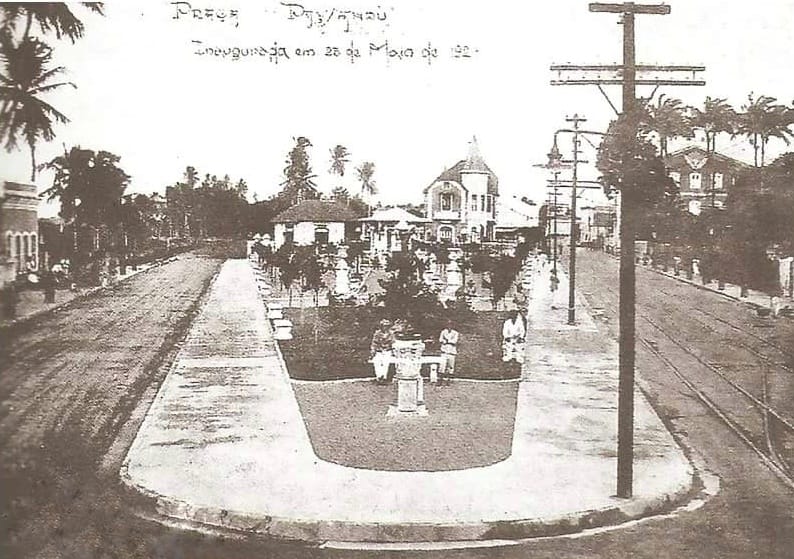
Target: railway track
point(769, 433)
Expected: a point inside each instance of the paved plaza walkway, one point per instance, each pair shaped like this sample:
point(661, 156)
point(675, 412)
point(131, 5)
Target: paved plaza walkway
point(224, 444)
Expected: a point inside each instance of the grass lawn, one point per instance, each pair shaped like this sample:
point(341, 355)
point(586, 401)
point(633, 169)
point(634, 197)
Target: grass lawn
point(469, 425)
point(333, 343)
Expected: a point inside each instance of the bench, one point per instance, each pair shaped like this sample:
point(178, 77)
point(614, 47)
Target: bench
point(434, 362)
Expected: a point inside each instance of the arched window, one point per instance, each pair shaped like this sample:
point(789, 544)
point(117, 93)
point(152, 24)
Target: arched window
point(34, 250)
point(18, 254)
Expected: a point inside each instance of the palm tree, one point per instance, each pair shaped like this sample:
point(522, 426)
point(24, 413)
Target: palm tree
point(763, 118)
point(24, 77)
point(365, 173)
point(339, 159)
point(716, 117)
point(667, 119)
point(50, 16)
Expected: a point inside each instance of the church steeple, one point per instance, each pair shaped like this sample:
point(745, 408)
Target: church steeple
point(474, 161)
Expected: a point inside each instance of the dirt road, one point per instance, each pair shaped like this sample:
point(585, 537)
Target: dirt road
point(70, 384)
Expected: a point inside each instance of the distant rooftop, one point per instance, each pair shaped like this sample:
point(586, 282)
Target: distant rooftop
point(317, 211)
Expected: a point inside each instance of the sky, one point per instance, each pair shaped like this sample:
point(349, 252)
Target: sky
point(146, 95)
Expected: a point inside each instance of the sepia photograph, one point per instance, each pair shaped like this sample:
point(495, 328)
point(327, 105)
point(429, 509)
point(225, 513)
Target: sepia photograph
point(393, 278)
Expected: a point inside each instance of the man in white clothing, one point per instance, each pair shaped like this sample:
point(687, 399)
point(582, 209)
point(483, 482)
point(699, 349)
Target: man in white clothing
point(513, 335)
point(449, 350)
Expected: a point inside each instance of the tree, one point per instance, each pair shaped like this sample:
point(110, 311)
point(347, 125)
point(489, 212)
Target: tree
point(340, 194)
point(299, 184)
point(365, 173)
point(667, 119)
point(716, 117)
point(50, 16)
point(340, 157)
point(629, 164)
point(89, 186)
point(24, 77)
point(242, 188)
point(405, 296)
point(763, 118)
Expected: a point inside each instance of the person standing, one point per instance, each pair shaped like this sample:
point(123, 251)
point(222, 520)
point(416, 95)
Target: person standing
point(48, 286)
point(448, 339)
point(513, 335)
point(380, 350)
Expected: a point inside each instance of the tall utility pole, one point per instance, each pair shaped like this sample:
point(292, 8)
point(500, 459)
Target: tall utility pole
point(626, 75)
point(554, 229)
point(575, 119)
point(556, 163)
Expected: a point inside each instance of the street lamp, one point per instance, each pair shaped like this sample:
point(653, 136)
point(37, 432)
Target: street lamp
point(556, 163)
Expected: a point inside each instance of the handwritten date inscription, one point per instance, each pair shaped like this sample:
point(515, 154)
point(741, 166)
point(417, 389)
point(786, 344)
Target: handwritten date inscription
point(352, 52)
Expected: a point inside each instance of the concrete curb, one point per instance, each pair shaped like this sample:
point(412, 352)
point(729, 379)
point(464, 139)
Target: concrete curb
point(314, 532)
point(356, 529)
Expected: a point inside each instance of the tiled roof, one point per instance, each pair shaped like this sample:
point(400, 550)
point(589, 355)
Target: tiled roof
point(454, 173)
point(702, 152)
point(317, 211)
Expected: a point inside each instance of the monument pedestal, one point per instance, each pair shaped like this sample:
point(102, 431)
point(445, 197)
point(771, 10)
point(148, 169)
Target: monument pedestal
point(410, 385)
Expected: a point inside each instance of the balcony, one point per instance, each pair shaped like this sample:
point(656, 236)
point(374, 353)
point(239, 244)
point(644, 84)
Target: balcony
point(446, 215)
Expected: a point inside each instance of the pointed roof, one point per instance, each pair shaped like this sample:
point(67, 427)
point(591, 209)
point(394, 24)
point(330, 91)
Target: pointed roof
point(474, 163)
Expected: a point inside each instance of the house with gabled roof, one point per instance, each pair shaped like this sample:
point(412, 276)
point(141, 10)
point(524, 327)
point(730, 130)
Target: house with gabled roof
point(704, 179)
point(461, 201)
point(309, 222)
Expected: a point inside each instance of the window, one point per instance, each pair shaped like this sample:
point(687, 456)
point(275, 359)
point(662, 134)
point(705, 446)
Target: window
point(445, 233)
point(489, 201)
point(717, 181)
point(694, 181)
point(321, 234)
point(446, 201)
point(482, 203)
point(474, 202)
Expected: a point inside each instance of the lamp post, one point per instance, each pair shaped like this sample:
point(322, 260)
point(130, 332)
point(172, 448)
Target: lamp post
point(556, 163)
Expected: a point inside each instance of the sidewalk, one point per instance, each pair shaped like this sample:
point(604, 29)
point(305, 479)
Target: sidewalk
point(224, 445)
point(755, 299)
point(31, 301)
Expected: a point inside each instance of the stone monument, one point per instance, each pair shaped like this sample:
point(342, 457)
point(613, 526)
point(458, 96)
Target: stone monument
point(410, 388)
point(342, 283)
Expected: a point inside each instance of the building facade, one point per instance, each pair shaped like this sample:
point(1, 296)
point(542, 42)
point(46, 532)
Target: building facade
point(382, 230)
point(313, 222)
point(19, 229)
point(597, 225)
point(703, 179)
point(461, 201)
point(515, 216)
